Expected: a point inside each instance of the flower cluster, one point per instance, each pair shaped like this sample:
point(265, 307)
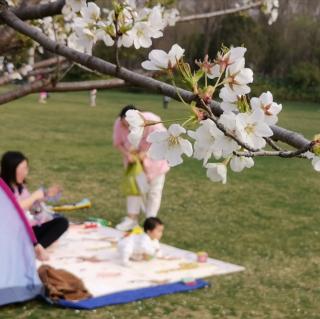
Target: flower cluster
point(9, 70)
point(243, 127)
point(271, 9)
point(126, 24)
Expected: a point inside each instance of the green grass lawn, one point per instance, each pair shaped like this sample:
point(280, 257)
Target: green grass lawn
point(266, 219)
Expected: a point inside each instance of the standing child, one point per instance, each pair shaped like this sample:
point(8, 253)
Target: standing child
point(93, 97)
point(154, 170)
point(144, 246)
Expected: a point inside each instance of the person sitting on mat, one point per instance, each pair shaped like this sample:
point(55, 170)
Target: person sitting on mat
point(143, 246)
point(14, 170)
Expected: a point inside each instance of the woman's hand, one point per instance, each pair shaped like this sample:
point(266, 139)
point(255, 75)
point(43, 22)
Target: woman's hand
point(142, 156)
point(37, 195)
point(41, 253)
point(53, 191)
point(131, 158)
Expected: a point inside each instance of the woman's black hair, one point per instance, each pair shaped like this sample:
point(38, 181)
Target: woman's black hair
point(123, 112)
point(151, 223)
point(9, 163)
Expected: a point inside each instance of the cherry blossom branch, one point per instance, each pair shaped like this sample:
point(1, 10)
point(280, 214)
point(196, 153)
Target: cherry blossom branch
point(223, 129)
point(292, 138)
point(232, 136)
point(284, 154)
point(273, 144)
point(220, 12)
point(54, 8)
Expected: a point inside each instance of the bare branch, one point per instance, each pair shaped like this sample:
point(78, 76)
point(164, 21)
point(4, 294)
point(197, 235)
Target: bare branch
point(39, 11)
point(284, 154)
point(273, 144)
point(46, 85)
point(45, 71)
point(48, 62)
point(220, 12)
point(294, 139)
point(23, 91)
point(42, 64)
point(85, 85)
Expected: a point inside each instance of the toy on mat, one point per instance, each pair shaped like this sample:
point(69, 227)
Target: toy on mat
point(202, 257)
point(189, 281)
point(88, 225)
point(100, 221)
point(85, 203)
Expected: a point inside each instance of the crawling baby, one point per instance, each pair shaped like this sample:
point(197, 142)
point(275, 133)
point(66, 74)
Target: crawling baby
point(143, 246)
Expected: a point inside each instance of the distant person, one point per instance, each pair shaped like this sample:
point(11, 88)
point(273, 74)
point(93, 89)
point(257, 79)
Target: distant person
point(93, 97)
point(43, 96)
point(166, 100)
point(155, 170)
point(14, 171)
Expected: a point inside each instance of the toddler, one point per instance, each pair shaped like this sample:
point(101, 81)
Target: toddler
point(143, 246)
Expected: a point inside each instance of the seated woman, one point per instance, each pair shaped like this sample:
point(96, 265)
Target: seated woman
point(14, 170)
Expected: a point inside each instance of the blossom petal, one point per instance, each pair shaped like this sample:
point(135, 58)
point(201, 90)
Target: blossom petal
point(157, 151)
point(186, 146)
point(176, 129)
point(173, 156)
point(157, 136)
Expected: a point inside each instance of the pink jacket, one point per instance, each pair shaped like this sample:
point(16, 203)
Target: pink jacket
point(151, 167)
point(19, 210)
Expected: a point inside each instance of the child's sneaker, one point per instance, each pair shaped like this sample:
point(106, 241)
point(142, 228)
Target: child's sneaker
point(127, 224)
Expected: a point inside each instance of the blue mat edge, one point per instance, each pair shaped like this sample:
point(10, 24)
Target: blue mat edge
point(128, 296)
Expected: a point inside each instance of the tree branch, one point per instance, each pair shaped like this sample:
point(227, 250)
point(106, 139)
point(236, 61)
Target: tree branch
point(273, 144)
point(85, 85)
point(23, 91)
point(38, 65)
point(284, 154)
point(48, 62)
point(46, 85)
point(219, 13)
point(45, 71)
point(39, 11)
point(294, 139)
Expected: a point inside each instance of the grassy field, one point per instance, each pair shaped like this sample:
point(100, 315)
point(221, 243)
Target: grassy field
point(266, 219)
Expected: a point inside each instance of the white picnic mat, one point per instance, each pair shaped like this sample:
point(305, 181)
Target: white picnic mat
point(91, 254)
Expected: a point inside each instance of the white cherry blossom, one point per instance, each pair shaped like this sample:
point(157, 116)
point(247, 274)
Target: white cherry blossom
point(316, 163)
point(169, 145)
point(238, 77)
point(136, 126)
point(229, 100)
point(238, 163)
point(255, 129)
point(269, 108)
point(217, 172)
point(90, 12)
point(224, 143)
point(205, 139)
point(170, 17)
point(223, 61)
point(76, 5)
point(160, 60)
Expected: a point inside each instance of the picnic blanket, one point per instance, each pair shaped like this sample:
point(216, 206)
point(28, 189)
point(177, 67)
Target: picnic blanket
point(91, 254)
